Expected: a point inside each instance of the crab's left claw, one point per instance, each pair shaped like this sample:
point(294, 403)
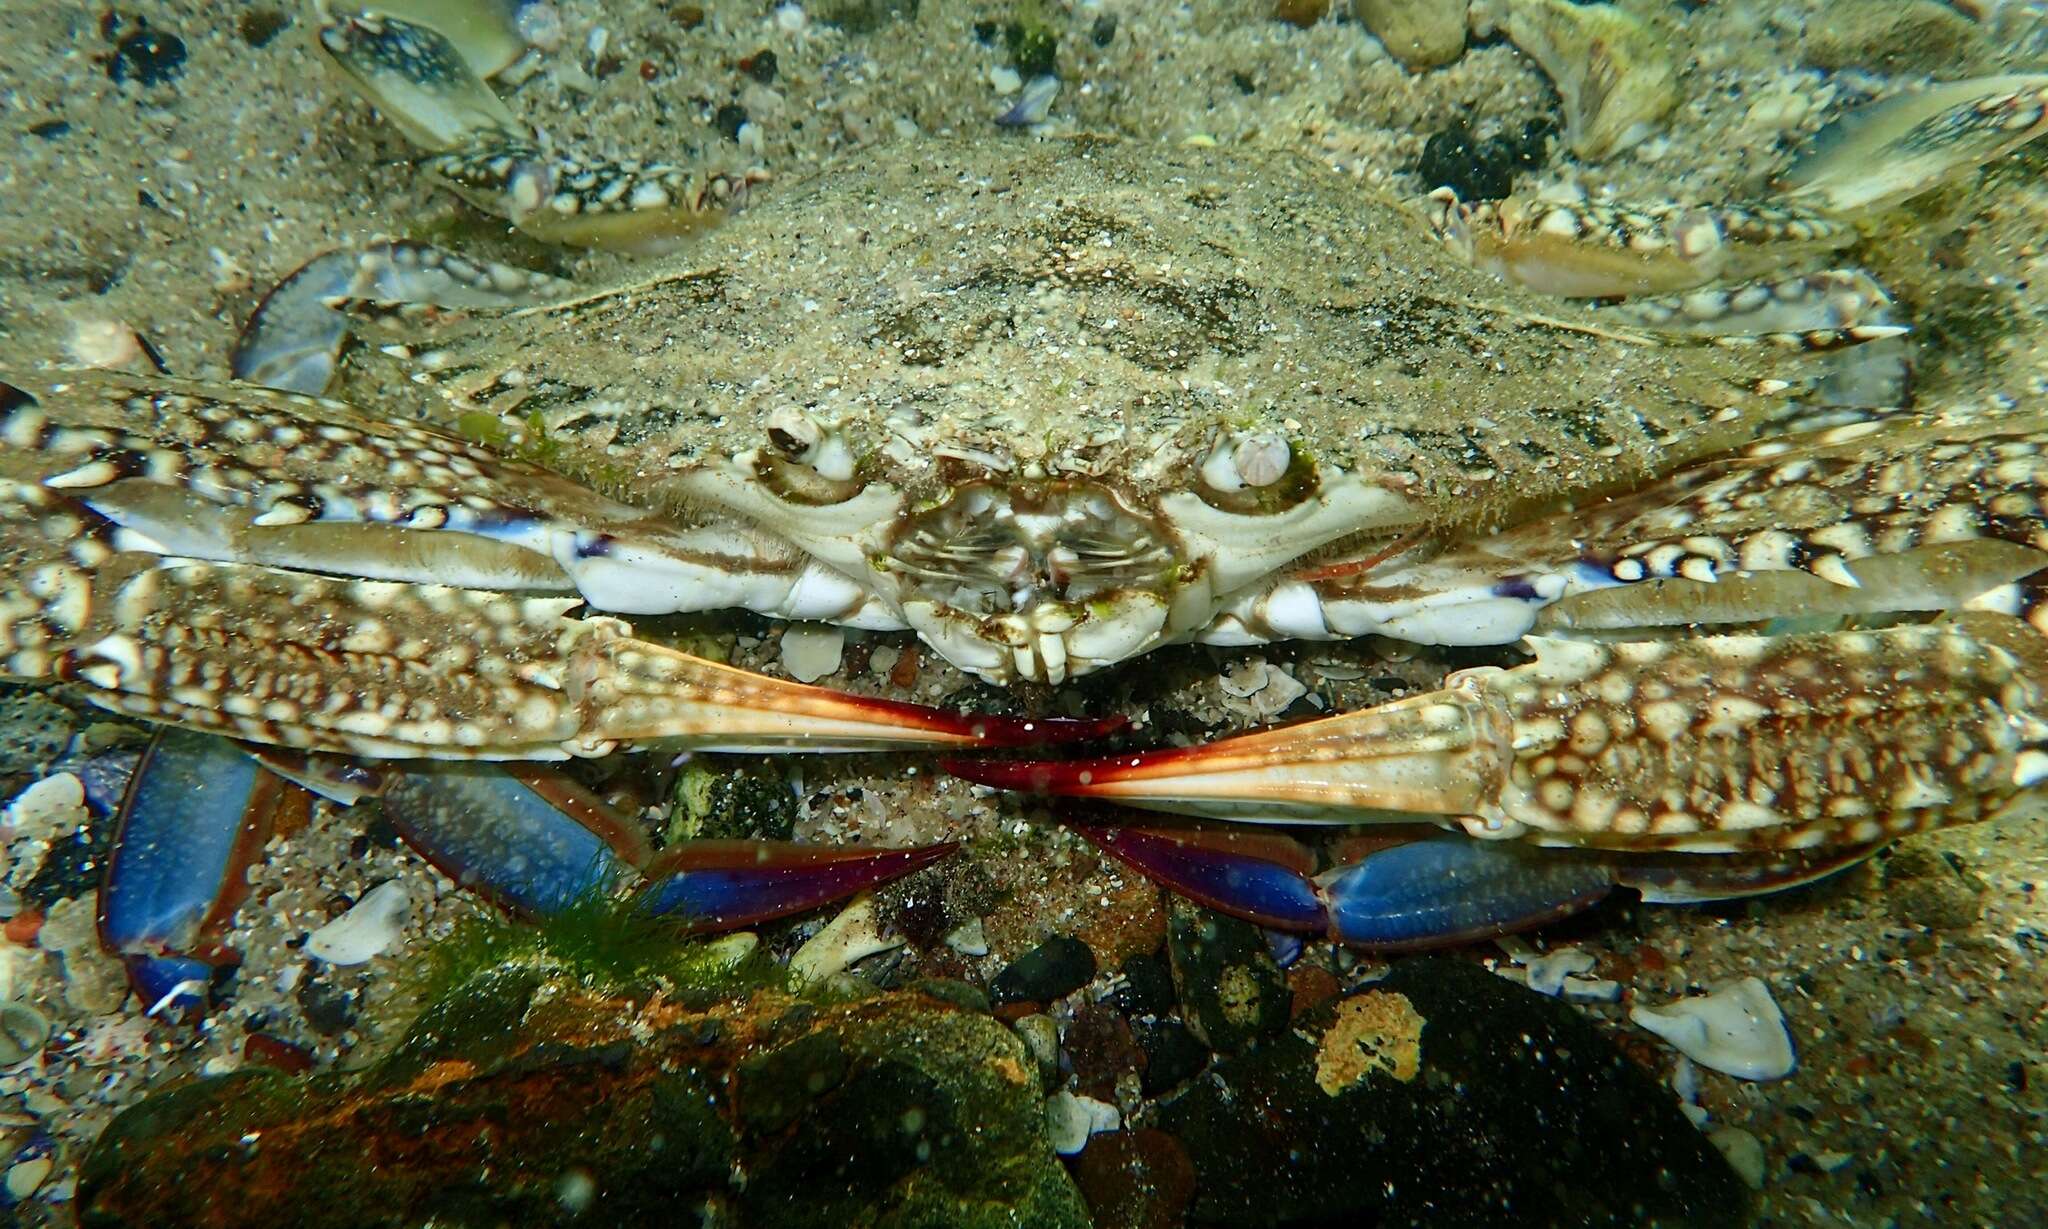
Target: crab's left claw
point(1718, 744)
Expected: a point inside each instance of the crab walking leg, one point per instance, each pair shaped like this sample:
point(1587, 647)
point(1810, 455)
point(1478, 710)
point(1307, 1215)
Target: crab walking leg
point(480, 151)
point(533, 842)
point(1720, 744)
point(1408, 892)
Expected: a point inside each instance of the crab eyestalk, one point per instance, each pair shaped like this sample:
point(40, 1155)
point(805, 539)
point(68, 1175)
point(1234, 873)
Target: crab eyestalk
point(1715, 745)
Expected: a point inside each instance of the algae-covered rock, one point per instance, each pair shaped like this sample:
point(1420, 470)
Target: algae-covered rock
point(1893, 36)
point(524, 1098)
point(1231, 991)
point(1443, 1095)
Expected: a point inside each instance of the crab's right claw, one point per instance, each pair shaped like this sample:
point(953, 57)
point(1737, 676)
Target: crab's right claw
point(1718, 744)
point(1405, 894)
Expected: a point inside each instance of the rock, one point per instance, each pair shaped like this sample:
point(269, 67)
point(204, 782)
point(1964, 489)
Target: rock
point(1422, 34)
point(1482, 170)
point(1136, 1180)
point(1147, 988)
point(1231, 991)
point(1300, 13)
point(810, 651)
point(1924, 888)
point(1509, 1090)
point(1173, 1056)
point(1612, 71)
point(34, 731)
point(895, 1109)
point(1738, 1030)
point(1041, 1036)
point(1744, 1153)
point(1892, 36)
point(1100, 1048)
point(1071, 1119)
point(1052, 970)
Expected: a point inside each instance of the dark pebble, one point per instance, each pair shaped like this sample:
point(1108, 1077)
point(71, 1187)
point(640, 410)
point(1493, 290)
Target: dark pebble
point(268, 1051)
point(728, 120)
point(2016, 1075)
point(329, 1009)
point(1173, 1056)
point(1100, 1046)
point(760, 66)
point(1482, 170)
point(1033, 49)
point(258, 26)
point(1231, 991)
point(1054, 969)
point(1147, 988)
point(1103, 32)
point(985, 33)
point(70, 868)
point(149, 57)
point(50, 129)
point(1135, 1180)
point(1800, 1163)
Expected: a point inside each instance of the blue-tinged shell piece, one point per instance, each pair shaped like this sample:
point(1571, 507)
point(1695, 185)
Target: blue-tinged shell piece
point(196, 813)
point(531, 841)
point(1443, 890)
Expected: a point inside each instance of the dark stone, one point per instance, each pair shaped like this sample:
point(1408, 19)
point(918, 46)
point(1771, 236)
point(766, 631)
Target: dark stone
point(1518, 1112)
point(760, 66)
point(728, 120)
point(1231, 991)
point(1173, 1056)
point(148, 57)
point(1100, 1046)
point(258, 26)
point(329, 1009)
point(1033, 48)
point(1135, 1180)
point(50, 129)
point(965, 995)
point(1482, 170)
point(1148, 986)
point(71, 866)
point(1103, 32)
point(1055, 968)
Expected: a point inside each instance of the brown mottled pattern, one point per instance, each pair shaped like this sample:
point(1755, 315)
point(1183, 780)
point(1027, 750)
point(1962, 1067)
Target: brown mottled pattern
point(1742, 742)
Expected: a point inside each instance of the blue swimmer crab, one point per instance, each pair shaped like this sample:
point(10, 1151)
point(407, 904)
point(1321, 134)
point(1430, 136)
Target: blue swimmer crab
point(1050, 408)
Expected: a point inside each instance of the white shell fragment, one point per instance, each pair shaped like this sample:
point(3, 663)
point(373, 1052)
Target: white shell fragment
point(1547, 972)
point(1737, 1030)
point(366, 931)
point(1070, 1120)
point(852, 936)
point(810, 651)
point(50, 806)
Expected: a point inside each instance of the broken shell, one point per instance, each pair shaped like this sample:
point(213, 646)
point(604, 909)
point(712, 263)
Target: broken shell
point(367, 930)
point(794, 433)
point(1737, 1030)
point(1611, 69)
point(23, 1033)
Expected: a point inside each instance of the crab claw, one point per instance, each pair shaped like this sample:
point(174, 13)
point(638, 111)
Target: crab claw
point(1720, 744)
point(722, 885)
point(196, 813)
point(1394, 895)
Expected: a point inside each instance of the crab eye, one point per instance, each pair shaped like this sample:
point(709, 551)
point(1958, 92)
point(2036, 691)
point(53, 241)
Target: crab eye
point(805, 462)
point(1256, 473)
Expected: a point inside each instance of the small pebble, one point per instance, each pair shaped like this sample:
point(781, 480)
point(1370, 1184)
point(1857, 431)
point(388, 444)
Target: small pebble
point(1054, 969)
point(810, 651)
point(25, 1178)
point(24, 1032)
point(1742, 1152)
point(150, 57)
point(970, 938)
point(1070, 1120)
